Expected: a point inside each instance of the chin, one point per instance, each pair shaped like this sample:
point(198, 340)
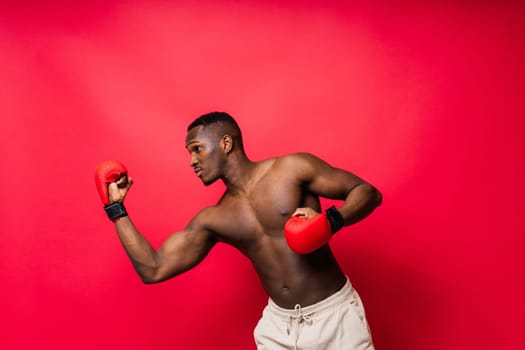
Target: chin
point(208, 182)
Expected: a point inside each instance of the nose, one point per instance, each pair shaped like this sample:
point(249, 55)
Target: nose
point(193, 161)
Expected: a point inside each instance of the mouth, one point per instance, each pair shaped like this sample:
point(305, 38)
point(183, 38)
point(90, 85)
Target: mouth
point(197, 171)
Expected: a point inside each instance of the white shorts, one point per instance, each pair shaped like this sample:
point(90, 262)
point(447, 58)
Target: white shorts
point(337, 322)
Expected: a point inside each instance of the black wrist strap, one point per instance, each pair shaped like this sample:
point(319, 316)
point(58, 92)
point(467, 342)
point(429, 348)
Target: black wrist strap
point(115, 210)
point(335, 219)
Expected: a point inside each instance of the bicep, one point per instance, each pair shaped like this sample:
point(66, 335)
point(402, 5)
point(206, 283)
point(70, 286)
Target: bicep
point(184, 250)
point(325, 180)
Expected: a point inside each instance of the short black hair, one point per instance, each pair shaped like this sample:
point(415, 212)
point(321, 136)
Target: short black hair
point(212, 118)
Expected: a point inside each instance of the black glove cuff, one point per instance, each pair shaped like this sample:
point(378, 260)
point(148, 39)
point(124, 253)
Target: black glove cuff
point(115, 210)
point(335, 219)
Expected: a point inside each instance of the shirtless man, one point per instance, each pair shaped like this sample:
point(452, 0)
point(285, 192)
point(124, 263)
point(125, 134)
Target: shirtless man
point(312, 304)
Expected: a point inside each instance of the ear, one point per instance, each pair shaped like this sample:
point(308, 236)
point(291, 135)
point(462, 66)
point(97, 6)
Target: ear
point(227, 143)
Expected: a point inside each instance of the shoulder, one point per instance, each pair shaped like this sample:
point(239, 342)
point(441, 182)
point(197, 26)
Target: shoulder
point(301, 166)
point(303, 161)
point(204, 220)
point(209, 217)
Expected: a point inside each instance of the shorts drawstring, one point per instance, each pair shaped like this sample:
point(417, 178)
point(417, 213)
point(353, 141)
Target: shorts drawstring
point(300, 318)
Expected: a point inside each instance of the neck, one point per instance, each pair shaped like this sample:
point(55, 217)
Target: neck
point(239, 173)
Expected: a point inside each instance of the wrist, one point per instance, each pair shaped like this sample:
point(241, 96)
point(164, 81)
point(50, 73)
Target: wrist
point(335, 219)
point(115, 211)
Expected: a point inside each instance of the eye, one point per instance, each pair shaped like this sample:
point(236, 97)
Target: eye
point(194, 147)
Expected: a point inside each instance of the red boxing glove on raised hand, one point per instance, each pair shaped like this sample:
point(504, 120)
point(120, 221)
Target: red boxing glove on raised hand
point(107, 172)
point(306, 235)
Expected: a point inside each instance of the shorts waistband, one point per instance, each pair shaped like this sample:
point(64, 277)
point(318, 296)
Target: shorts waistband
point(328, 304)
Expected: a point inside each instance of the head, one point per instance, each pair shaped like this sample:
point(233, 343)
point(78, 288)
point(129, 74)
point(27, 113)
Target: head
point(213, 139)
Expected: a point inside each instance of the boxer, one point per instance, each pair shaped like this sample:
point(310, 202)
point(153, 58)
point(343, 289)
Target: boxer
point(271, 212)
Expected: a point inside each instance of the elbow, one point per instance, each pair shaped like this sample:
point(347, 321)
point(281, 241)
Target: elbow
point(377, 197)
point(156, 275)
point(152, 279)
point(148, 280)
point(150, 276)
point(150, 271)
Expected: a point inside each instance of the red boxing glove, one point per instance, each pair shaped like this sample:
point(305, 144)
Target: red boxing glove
point(306, 235)
point(107, 172)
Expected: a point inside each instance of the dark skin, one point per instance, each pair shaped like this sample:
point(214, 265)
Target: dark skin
point(259, 198)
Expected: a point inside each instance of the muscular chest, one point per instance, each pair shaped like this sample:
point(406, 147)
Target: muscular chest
point(263, 211)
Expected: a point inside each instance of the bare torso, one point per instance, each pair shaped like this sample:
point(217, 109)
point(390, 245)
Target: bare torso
point(253, 221)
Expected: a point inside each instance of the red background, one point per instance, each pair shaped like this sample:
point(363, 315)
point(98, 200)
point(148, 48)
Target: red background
point(424, 100)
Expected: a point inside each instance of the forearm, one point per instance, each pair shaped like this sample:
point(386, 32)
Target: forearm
point(360, 202)
point(142, 255)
